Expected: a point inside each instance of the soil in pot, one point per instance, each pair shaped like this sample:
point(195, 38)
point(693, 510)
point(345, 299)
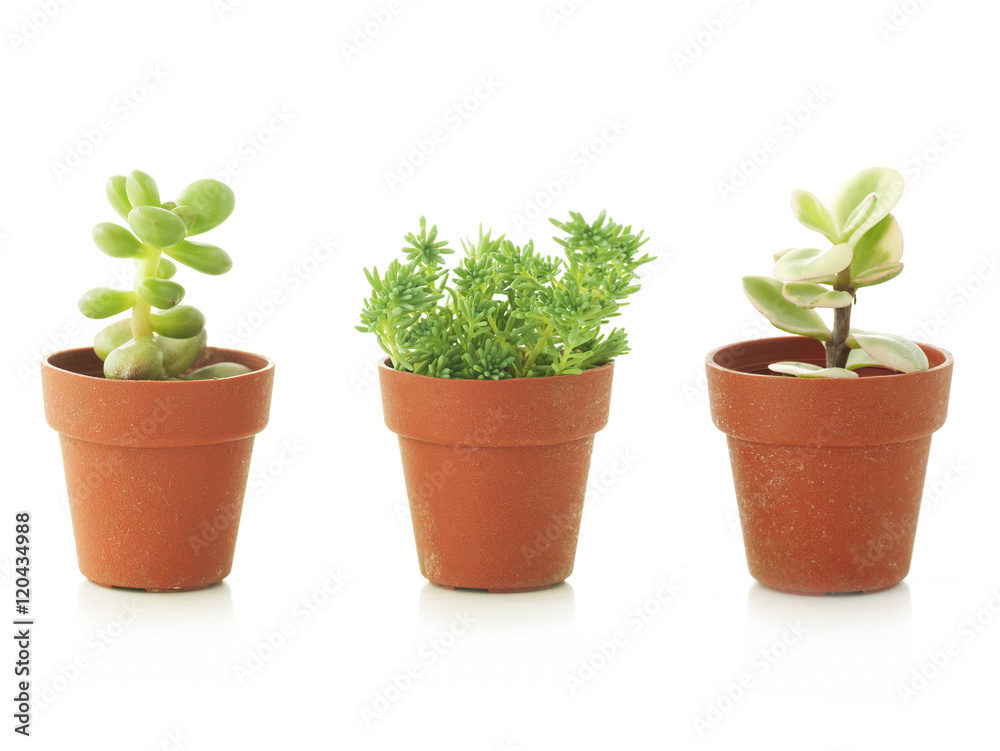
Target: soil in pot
point(155, 470)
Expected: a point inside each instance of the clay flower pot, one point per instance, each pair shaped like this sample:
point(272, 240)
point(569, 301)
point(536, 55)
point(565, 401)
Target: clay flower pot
point(829, 472)
point(155, 470)
point(496, 472)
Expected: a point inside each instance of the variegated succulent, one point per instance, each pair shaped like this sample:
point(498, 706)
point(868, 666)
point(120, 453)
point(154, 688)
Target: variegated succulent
point(866, 245)
point(149, 346)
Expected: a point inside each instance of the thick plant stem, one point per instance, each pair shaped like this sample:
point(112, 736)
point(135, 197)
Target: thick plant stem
point(142, 324)
point(837, 350)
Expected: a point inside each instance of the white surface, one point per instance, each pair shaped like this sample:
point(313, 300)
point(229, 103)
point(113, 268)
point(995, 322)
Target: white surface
point(334, 505)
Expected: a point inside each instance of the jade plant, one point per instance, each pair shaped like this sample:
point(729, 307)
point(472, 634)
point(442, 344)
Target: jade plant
point(866, 245)
point(160, 345)
point(506, 311)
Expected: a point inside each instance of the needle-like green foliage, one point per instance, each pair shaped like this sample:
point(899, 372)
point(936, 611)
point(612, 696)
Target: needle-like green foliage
point(866, 248)
point(164, 345)
point(505, 311)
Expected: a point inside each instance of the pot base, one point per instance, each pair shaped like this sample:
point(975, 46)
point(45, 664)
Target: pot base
point(513, 591)
point(830, 594)
point(144, 589)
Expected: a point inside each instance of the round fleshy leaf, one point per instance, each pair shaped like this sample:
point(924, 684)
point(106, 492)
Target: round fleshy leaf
point(218, 370)
point(136, 360)
point(186, 213)
point(212, 201)
point(160, 293)
point(208, 259)
point(103, 302)
point(166, 268)
point(117, 196)
point(808, 370)
point(112, 337)
point(141, 190)
point(858, 359)
point(765, 295)
point(181, 322)
point(811, 213)
point(809, 295)
point(880, 246)
point(887, 185)
point(877, 275)
point(892, 351)
point(157, 227)
point(181, 354)
point(807, 264)
point(860, 215)
point(168, 205)
point(116, 241)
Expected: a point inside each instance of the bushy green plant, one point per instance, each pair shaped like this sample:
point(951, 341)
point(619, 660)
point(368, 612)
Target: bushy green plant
point(163, 345)
point(866, 245)
point(506, 311)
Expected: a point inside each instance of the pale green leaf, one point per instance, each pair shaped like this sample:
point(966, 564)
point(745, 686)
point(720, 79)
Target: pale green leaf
point(887, 185)
point(858, 358)
point(877, 275)
point(808, 370)
point(882, 245)
point(765, 295)
point(808, 264)
point(892, 351)
point(809, 295)
point(811, 213)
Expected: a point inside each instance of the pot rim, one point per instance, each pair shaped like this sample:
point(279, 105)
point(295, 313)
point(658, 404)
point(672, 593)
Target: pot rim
point(384, 363)
point(269, 365)
point(947, 362)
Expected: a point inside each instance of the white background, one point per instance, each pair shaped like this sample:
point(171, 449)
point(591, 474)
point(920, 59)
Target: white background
point(190, 89)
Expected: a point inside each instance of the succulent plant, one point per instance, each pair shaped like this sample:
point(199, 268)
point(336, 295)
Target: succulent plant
point(866, 245)
point(165, 344)
point(508, 312)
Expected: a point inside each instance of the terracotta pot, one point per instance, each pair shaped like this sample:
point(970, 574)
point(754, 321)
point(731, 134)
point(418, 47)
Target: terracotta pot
point(496, 472)
point(155, 470)
point(829, 473)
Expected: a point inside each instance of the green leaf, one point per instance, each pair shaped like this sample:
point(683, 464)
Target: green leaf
point(166, 268)
point(141, 190)
point(186, 213)
point(882, 245)
point(117, 196)
point(160, 293)
point(892, 351)
point(212, 201)
point(157, 227)
point(208, 259)
point(887, 185)
point(858, 358)
point(181, 354)
point(861, 214)
point(103, 302)
point(181, 322)
point(806, 264)
point(765, 295)
point(808, 370)
point(809, 295)
point(112, 337)
point(877, 275)
point(811, 213)
point(136, 360)
point(116, 241)
point(218, 370)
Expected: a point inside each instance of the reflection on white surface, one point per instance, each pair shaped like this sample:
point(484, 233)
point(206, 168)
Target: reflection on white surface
point(552, 608)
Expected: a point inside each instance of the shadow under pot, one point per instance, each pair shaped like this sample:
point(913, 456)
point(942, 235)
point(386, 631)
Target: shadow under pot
point(496, 472)
point(156, 471)
point(828, 472)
